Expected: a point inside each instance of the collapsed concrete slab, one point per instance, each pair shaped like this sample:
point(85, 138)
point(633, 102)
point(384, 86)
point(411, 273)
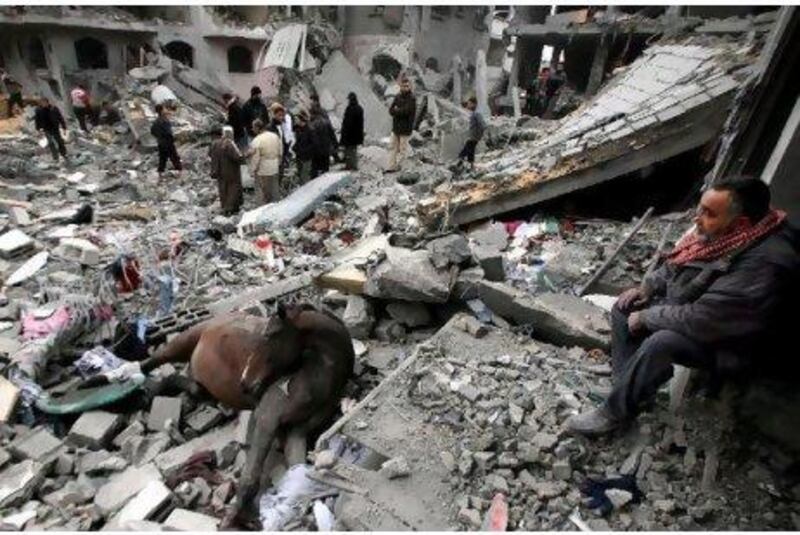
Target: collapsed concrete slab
point(350, 275)
point(19, 481)
point(409, 276)
point(672, 99)
point(340, 77)
point(297, 206)
point(124, 486)
point(557, 318)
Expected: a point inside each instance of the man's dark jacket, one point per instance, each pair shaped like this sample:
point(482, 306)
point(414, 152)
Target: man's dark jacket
point(304, 143)
point(235, 119)
point(403, 110)
point(736, 305)
point(162, 131)
point(322, 135)
point(353, 125)
point(253, 109)
point(49, 119)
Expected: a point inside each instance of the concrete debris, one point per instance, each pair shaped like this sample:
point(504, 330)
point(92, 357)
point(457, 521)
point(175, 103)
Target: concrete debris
point(94, 429)
point(472, 342)
point(408, 275)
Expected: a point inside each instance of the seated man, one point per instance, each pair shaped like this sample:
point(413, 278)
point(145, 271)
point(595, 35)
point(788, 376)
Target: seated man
point(712, 304)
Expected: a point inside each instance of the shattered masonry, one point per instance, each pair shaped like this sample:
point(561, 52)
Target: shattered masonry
point(460, 288)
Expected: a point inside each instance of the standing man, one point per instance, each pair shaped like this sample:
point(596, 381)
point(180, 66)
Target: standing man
point(477, 126)
point(323, 142)
point(303, 147)
point(81, 105)
point(402, 110)
point(254, 109)
point(50, 121)
point(235, 120)
point(265, 162)
point(14, 90)
point(226, 169)
point(162, 131)
point(352, 134)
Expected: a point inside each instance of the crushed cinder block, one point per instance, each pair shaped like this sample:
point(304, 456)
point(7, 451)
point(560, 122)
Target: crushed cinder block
point(19, 481)
point(94, 429)
point(204, 418)
point(19, 216)
point(75, 492)
point(358, 317)
point(102, 461)
point(171, 460)
point(136, 428)
point(14, 243)
point(78, 250)
point(123, 486)
point(185, 520)
point(38, 444)
point(9, 392)
point(148, 503)
point(143, 449)
point(163, 410)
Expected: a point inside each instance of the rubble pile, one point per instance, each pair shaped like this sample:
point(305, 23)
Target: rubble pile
point(454, 417)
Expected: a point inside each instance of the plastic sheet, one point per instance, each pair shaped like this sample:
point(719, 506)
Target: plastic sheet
point(281, 503)
point(97, 360)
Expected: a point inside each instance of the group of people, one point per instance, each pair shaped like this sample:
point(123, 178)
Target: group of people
point(268, 138)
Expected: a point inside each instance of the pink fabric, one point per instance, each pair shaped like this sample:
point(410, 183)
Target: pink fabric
point(33, 328)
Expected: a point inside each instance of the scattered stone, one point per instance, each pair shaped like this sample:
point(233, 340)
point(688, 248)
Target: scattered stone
point(389, 330)
point(123, 486)
point(97, 462)
point(618, 497)
point(204, 419)
point(562, 470)
point(447, 250)
point(38, 444)
point(65, 464)
point(135, 429)
point(497, 483)
point(217, 441)
point(324, 459)
point(358, 317)
point(471, 517)
point(163, 410)
point(94, 429)
point(19, 481)
point(73, 493)
point(545, 441)
point(409, 276)
point(222, 495)
point(516, 413)
point(395, 468)
point(546, 490)
point(666, 506)
point(184, 520)
point(448, 460)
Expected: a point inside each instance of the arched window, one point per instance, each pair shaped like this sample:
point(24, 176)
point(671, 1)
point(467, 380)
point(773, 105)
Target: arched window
point(180, 51)
point(91, 53)
point(36, 53)
point(240, 59)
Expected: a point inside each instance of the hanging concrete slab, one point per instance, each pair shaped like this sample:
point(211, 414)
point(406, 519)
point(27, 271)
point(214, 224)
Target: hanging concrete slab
point(283, 49)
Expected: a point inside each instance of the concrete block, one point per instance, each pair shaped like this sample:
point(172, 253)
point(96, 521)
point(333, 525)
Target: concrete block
point(242, 423)
point(556, 318)
point(38, 444)
point(358, 317)
point(121, 487)
point(162, 410)
point(409, 314)
point(185, 520)
point(19, 216)
point(78, 250)
point(152, 499)
point(204, 419)
point(297, 206)
point(450, 249)
point(94, 429)
point(14, 242)
point(19, 481)
point(409, 276)
point(136, 428)
point(491, 262)
point(9, 392)
point(216, 441)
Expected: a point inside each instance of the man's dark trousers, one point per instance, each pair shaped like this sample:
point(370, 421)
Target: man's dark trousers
point(165, 152)
point(643, 362)
point(468, 151)
point(55, 143)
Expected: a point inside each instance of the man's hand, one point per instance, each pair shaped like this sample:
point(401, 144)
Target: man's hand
point(635, 323)
point(634, 297)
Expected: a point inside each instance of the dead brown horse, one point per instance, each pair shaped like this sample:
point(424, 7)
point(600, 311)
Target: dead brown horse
point(309, 400)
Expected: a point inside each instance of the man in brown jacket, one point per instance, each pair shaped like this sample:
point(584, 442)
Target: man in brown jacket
point(226, 168)
point(716, 302)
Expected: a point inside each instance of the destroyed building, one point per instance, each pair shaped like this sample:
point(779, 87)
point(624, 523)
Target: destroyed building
point(477, 300)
